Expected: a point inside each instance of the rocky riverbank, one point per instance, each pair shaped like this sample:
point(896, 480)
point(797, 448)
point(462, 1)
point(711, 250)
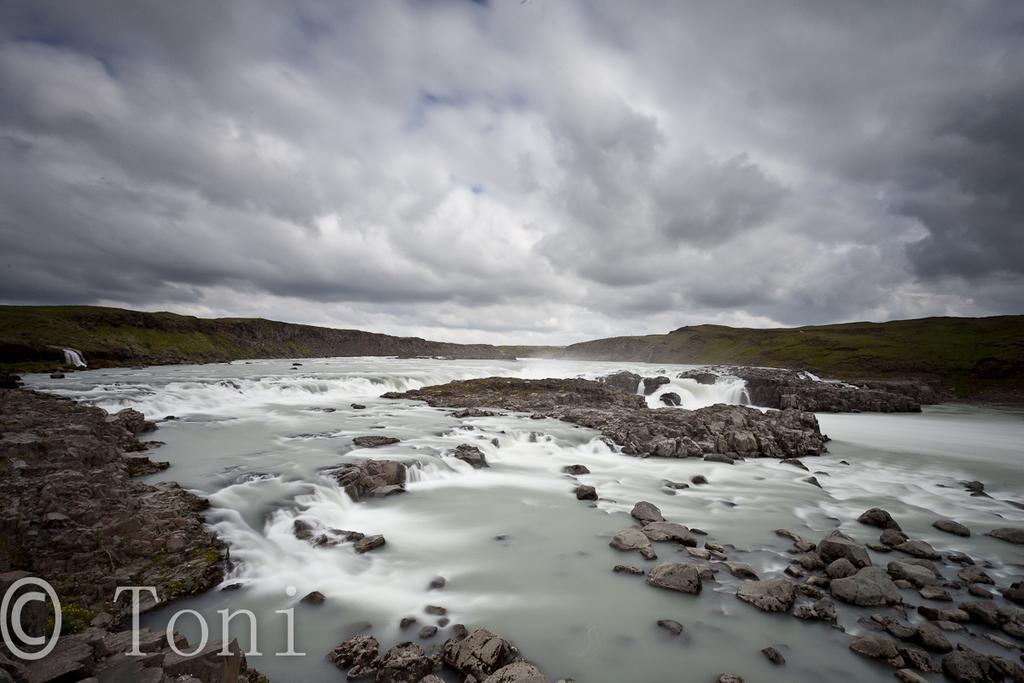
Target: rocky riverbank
point(625, 419)
point(72, 513)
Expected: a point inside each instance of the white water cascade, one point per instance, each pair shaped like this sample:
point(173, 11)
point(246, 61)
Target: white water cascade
point(74, 357)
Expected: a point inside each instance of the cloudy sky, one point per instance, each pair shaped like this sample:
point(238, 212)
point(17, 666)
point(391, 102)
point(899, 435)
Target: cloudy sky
point(536, 172)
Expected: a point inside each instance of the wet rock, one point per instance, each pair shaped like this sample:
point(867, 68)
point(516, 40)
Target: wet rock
point(576, 469)
point(957, 557)
point(719, 457)
point(729, 678)
point(406, 622)
point(892, 537)
point(628, 569)
point(661, 532)
point(894, 627)
point(813, 481)
point(651, 384)
point(314, 598)
point(633, 539)
point(879, 518)
point(671, 398)
point(517, 672)
point(782, 388)
point(676, 576)
point(979, 591)
point(917, 575)
point(973, 574)
point(768, 595)
point(374, 441)
point(357, 655)
point(837, 545)
point(357, 406)
point(951, 527)
point(698, 479)
point(1008, 534)
point(480, 654)
point(368, 543)
point(370, 477)
point(437, 583)
point(427, 632)
point(671, 625)
point(674, 485)
point(968, 666)
point(773, 656)
point(822, 610)
point(982, 612)
point(840, 569)
point(869, 587)
point(932, 638)
point(646, 512)
point(877, 647)
point(404, 663)
point(935, 593)
point(586, 492)
point(1015, 593)
point(741, 570)
point(795, 462)
point(626, 382)
point(435, 610)
point(470, 454)
point(920, 549)
point(909, 676)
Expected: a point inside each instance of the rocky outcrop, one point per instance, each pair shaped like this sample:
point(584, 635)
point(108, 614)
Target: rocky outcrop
point(775, 388)
point(71, 513)
point(626, 420)
point(626, 382)
point(368, 478)
point(471, 455)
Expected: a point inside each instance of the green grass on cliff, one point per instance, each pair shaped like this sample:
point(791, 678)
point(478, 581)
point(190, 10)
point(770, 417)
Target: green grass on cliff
point(969, 355)
point(31, 338)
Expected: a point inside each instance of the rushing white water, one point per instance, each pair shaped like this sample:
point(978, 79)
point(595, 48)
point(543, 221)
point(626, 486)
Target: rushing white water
point(74, 358)
point(521, 555)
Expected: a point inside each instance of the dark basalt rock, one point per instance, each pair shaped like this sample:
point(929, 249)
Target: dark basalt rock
point(651, 384)
point(626, 420)
point(1008, 534)
point(470, 454)
point(576, 469)
point(779, 388)
point(671, 398)
point(371, 477)
point(480, 654)
point(374, 441)
point(67, 489)
point(626, 382)
point(879, 518)
point(586, 493)
point(769, 595)
point(676, 576)
point(646, 512)
point(951, 527)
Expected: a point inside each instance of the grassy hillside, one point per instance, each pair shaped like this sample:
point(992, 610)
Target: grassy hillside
point(31, 337)
point(972, 356)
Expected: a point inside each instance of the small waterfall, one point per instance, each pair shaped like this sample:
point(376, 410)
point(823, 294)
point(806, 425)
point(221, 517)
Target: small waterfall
point(73, 357)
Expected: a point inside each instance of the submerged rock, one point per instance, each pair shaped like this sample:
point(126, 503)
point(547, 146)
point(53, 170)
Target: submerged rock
point(576, 469)
point(1008, 534)
point(374, 441)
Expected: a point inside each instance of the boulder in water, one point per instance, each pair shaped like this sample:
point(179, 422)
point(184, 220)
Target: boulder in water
point(676, 576)
point(768, 595)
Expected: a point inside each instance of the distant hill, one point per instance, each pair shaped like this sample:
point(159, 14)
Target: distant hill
point(971, 356)
point(31, 337)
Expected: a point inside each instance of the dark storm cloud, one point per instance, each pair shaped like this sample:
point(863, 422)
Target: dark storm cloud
point(542, 171)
